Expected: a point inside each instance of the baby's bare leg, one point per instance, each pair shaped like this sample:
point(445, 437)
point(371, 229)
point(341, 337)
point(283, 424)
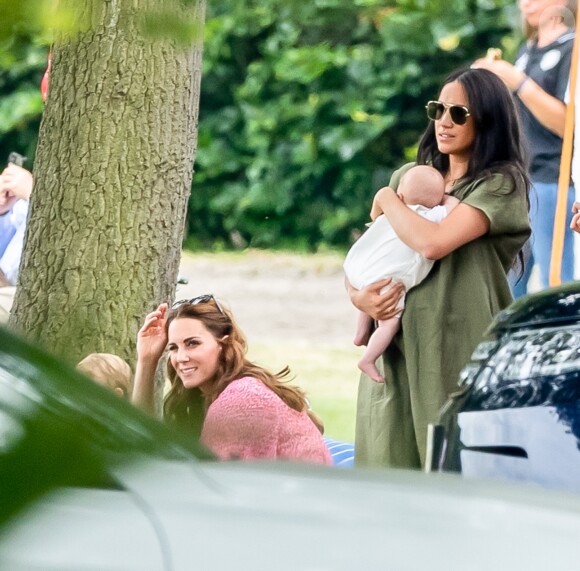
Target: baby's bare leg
point(364, 328)
point(378, 342)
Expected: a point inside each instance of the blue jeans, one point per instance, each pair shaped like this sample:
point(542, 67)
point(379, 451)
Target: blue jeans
point(543, 197)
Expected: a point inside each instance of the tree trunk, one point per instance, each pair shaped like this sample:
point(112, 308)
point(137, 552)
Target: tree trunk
point(112, 178)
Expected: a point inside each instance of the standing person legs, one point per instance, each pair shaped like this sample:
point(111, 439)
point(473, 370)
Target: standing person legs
point(542, 214)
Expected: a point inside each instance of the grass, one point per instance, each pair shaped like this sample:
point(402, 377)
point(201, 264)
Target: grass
point(328, 375)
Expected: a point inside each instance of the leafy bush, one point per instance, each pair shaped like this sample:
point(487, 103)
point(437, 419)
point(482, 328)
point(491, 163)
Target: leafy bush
point(22, 65)
point(307, 107)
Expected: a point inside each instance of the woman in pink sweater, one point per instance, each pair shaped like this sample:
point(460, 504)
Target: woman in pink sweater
point(240, 409)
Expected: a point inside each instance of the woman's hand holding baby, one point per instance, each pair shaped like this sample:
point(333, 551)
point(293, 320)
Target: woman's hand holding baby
point(374, 303)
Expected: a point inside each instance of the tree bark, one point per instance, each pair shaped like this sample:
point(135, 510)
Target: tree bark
point(112, 177)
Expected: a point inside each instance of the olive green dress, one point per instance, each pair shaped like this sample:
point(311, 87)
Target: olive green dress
point(444, 319)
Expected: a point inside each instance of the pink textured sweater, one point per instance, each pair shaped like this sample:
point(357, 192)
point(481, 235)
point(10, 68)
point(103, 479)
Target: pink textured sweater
point(248, 420)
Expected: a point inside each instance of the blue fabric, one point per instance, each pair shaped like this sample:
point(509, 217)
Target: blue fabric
point(542, 211)
point(12, 230)
point(7, 231)
point(342, 453)
point(519, 284)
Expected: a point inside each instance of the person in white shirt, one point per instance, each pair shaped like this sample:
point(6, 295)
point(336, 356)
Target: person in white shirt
point(15, 190)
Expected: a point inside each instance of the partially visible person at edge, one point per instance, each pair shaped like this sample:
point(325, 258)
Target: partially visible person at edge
point(237, 408)
point(109, 371)
point(539, 79)
point(473, 139)
point(15, 189)
point(575, 223)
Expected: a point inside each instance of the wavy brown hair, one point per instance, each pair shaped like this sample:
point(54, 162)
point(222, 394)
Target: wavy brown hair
point(186, 407)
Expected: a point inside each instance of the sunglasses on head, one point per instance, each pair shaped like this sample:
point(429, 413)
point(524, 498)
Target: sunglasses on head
point(206, 298)
point(436, 110)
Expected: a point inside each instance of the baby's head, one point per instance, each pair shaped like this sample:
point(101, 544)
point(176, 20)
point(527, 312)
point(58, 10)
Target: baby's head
point(108, 370)
point(423, 185)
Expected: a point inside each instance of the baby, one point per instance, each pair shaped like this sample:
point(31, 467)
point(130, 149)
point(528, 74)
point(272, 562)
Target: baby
point(110, 371)
point(379, 253)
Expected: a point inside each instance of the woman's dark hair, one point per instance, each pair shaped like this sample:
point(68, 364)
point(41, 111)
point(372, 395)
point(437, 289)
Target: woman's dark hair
point(498, 142)
point(186, 407)
point(498, 145)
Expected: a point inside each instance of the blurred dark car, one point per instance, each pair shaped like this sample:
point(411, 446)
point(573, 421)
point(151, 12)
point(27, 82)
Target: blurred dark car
point(516, 414)
point(87, 482)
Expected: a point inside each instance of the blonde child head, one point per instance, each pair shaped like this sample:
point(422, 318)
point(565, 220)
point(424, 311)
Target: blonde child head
point(108, 370)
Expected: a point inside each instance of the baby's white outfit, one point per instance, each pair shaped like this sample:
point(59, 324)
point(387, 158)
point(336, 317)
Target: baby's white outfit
point(379, 253)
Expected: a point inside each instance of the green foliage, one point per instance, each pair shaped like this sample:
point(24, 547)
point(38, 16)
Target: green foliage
point(307, 107)
point(22, 65)
point(174, 20)
point(22, 16)
point(26, 31)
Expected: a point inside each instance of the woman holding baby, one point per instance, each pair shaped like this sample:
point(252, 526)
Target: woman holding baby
point(473, 140)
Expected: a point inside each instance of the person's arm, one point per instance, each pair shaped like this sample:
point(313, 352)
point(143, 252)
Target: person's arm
point(15, 184)
point(151, 342)
point(17, 181)
point(7, 223)
point(575, 224)
point(371, 301)
point(548, 110)
point(432, 240)
point(450, 202)
point(376, 210)
point(7, 202)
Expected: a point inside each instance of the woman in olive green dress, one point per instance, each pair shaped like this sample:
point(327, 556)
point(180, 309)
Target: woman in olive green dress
point(473, 139)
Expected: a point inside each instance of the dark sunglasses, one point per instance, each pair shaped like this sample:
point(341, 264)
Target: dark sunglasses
point(206, 298)
point(458, 113)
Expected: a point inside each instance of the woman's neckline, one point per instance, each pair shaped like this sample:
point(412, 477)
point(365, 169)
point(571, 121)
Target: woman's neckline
point(451, 183)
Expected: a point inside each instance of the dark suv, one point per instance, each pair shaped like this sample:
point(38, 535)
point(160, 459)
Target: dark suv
point(516, 414)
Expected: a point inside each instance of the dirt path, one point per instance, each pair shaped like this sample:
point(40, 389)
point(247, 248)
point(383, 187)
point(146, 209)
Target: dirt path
point(277, 296)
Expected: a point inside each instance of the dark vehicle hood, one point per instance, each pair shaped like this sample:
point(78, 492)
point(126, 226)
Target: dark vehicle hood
point(547, 308)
